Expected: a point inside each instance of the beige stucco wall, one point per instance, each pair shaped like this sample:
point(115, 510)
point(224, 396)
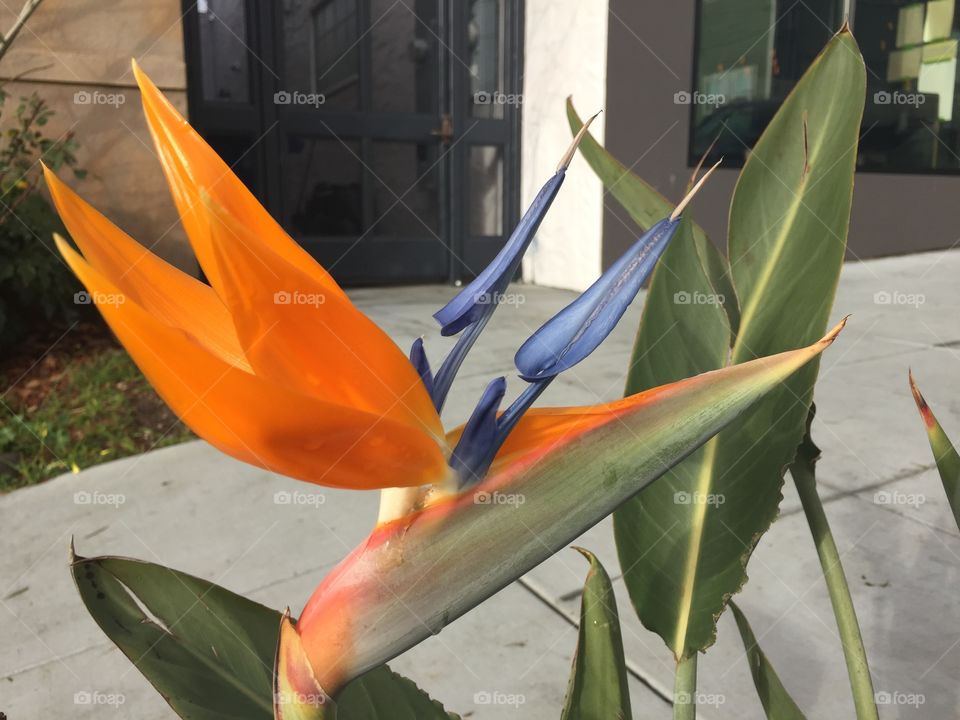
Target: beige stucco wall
point(85, 46)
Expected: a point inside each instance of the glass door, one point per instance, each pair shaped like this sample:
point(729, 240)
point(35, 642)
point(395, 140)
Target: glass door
point(382, 134)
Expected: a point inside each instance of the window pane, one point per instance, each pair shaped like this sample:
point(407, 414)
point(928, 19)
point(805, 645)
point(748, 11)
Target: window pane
point(405, 199)
point(321, 45)
point(911, 118)
point(485, 47)
point(750, 55)
point(224, 58)
point(403, 56)
point(485, 191)
point(322, 186)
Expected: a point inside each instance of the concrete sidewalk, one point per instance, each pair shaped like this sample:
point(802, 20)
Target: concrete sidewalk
point(196, 510)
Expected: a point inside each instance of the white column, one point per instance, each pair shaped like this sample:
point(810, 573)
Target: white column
point(565, 53)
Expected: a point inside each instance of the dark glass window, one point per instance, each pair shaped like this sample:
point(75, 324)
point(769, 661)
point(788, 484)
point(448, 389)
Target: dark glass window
point(223, 49)
point(750, 54)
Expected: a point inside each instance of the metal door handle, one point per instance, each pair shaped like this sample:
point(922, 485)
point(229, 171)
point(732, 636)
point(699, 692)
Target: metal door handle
point(445, 131)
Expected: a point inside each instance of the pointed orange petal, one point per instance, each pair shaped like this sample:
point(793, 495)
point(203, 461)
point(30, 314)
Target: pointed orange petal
point(254, 420)
point(297, 335)
point(190, 164)
point(171, 296)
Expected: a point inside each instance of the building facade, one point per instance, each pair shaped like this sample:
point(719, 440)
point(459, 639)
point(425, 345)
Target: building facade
point(399, 141)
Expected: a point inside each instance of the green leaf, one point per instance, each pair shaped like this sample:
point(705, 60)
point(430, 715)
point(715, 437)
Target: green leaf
point(948, 462)
point(598, 681)
point(647, 206)
point(210, 652)
point(382, 694)
point(776, 701)
point(685, 542)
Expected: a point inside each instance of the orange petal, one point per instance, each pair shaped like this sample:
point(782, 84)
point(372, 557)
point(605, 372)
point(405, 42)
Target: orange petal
point(297, 335)
point(190, 164)
point(254, 420)
point(171, 296)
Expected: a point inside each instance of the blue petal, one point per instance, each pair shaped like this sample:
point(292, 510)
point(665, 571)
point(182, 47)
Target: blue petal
point(479, 298)
point(475, 450)
point(578, 329)
point(418, 357)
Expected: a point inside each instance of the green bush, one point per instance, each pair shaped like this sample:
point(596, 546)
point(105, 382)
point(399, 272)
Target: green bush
point(35, 285)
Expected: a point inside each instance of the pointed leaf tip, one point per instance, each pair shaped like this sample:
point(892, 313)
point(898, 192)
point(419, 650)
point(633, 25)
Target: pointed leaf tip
point(568, 155)
point(693, 191)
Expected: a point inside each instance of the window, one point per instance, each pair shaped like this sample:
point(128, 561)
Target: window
point(750, 53)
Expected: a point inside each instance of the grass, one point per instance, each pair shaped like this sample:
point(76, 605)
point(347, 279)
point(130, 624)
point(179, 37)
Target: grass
point(71, 410)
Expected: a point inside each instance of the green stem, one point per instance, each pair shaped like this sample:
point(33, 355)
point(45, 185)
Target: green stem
point(853, 651)
point(685, 689)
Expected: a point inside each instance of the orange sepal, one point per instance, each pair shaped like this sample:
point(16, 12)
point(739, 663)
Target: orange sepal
point(255, 420)
point(191, 164)
point(299, 336)
point(171, 296)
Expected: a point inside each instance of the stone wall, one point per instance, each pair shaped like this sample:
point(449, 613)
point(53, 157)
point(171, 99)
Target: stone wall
point(76, 55)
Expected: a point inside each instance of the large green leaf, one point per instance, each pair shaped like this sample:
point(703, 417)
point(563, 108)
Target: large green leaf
point(945, 454)
point(774, 697)
point(684, 543)
point(598, 681)
point(210, 652)
point(647, 206)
